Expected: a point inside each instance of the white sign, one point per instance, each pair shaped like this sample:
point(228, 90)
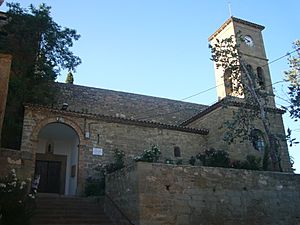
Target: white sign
point(97, 151)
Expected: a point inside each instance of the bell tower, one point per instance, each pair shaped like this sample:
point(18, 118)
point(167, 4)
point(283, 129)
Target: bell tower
point(252, 53)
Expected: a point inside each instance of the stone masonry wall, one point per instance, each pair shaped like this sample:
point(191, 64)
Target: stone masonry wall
point(108, 135)
point(123, 188)
point(181, 195)
point(238, 149)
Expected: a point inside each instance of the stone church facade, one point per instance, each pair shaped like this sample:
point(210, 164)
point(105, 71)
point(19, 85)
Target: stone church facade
point(70, 138)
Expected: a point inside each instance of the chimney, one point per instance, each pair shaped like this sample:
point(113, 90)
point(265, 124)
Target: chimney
point(5, 63)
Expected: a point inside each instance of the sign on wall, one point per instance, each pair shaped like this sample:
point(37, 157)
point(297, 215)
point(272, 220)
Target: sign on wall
point(98, 151)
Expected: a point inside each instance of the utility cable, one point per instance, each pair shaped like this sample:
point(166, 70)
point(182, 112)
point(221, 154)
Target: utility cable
point(281, 57)
point(211, 88)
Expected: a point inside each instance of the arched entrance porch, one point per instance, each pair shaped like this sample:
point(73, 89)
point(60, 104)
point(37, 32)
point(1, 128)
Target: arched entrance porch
point(57, 158)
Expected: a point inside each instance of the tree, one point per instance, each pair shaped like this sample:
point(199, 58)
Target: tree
point(40, 49)
point(293, 79)
point(70, 78)
point(247, 91)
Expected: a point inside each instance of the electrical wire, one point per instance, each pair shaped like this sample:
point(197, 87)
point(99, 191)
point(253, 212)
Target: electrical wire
point(201, 92)
point(281, 57)
point(211, 88)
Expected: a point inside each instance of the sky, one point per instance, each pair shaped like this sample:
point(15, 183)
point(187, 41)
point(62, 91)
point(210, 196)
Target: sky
point(160, 47)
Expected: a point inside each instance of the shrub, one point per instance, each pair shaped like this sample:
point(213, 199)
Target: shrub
point(251, 163)
point(16, 205)
point(95, 186)
point(149, 155)
point(221, 158)
point(214, 158)
point(169, 161)
point(117, 164)
point(192, 160)
point(179, 162)
point(173, 162)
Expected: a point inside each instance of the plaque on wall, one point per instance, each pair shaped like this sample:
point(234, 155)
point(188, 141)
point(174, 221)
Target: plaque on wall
point(98, 151)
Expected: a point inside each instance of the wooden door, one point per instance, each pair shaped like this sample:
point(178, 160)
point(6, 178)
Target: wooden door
point(49, 172)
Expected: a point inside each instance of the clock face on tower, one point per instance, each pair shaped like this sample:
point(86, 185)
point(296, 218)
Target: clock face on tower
point(248, 41)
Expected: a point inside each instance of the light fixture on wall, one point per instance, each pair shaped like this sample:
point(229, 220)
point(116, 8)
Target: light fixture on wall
point(64, 106)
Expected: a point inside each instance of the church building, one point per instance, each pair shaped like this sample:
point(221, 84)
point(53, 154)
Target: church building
point(70, 138)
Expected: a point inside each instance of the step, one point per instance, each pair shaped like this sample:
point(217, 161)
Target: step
point(62, 210)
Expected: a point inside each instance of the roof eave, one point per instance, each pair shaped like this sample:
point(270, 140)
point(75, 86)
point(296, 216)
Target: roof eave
point(120, 119)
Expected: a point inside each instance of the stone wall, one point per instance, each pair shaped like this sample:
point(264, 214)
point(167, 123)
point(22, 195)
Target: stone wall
point(109, 133)
point(166, 194)
point(240, 148)
point(123, 189)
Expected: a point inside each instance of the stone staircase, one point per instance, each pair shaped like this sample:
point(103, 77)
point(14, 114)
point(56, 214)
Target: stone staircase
point(61, 210)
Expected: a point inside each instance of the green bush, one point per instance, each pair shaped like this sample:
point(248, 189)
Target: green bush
point(117, 164)
point(149, 155)
point(192, 160)
point(220, 158)
point(179, 162)
point(214, 158)
point(173, 162)
point(16, 205)
point(95, 186)
point(251, 163)
point(169, 161)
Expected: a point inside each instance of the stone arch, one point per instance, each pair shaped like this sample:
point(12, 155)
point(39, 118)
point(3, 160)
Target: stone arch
point(261, 78)
point(66, 121)
point(66, 184)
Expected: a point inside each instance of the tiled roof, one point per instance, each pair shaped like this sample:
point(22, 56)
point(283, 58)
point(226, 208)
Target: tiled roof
point(125, 105)
point(228, 102)
point(120, 120)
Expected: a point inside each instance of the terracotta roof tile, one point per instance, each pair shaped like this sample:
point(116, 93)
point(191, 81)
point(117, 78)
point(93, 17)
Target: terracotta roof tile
point(125, 105)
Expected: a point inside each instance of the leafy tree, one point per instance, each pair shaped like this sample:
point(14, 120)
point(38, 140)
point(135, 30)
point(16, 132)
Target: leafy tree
point(293, 79)
point(253, 100)
point(40, 49)
point(70, 78)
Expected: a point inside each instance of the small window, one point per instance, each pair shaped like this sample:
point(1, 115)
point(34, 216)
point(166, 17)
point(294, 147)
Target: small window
point(258, 141)
point(261, 78)
point(177, 152)
point(49, 148)
point(250, 70)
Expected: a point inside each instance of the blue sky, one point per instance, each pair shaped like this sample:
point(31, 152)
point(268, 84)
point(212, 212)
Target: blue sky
point(160, 47)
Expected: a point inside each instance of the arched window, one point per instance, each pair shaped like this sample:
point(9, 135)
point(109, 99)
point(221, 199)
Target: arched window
point(250, 70)
point(257, 139)
point(228, 82)
point(260, 78)
point(177, 152)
